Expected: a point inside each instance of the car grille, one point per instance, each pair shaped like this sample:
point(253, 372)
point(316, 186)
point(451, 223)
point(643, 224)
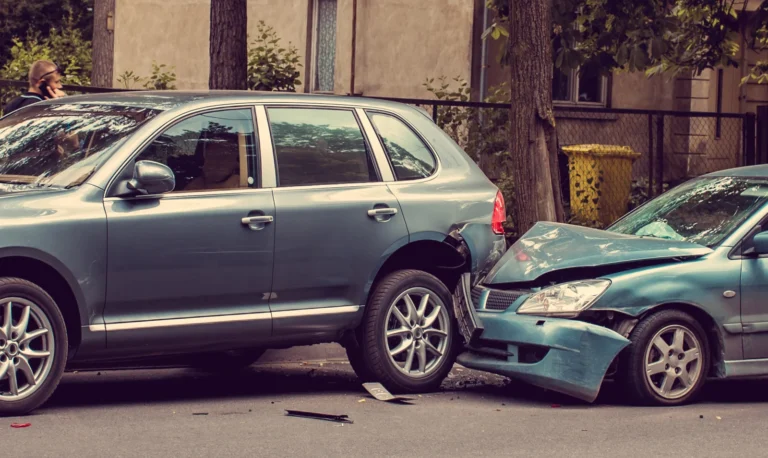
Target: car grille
point(498, 300)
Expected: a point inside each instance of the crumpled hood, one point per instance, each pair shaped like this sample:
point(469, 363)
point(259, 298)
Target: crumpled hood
point(550, 247)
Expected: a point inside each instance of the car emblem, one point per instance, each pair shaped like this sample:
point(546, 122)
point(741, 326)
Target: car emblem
point(729, 294)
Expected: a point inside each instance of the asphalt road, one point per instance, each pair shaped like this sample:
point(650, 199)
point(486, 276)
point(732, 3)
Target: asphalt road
point(181, 412)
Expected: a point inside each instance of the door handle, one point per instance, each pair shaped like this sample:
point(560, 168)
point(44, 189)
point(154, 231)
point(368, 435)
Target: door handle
point(256, 223)
point(382, 212)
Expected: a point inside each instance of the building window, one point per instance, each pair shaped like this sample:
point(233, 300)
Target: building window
point(586, 86)
point(324, 53)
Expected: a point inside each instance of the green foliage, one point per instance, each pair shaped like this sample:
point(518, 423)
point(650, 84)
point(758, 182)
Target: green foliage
point(67, 48)
point(162, 78)
point(21, 18)
point(272, 67)
point(655, 36)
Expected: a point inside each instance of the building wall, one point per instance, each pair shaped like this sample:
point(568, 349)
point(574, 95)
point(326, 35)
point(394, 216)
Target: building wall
point(400, 43)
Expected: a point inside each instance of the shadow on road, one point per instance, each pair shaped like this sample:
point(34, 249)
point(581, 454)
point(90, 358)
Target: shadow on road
point(274, 381)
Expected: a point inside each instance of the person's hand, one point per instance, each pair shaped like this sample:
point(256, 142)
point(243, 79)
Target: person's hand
point(54, 93)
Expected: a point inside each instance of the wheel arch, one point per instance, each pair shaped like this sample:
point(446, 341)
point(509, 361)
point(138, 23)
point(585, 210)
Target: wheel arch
point(51, 275)
point(713, 332)
point(438, 254)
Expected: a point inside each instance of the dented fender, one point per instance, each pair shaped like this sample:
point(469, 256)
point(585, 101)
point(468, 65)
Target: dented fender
point(572, 356)
point(478, 245)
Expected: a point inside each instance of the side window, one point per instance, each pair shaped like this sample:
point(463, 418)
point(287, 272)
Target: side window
point(319, 146)
point(410, 157)
point(210, 151)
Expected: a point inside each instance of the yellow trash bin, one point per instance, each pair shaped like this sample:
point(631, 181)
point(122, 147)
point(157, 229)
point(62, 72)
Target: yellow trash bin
point(601, 181)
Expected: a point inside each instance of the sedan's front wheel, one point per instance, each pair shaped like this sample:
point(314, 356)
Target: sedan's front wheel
point(668, 359)
point(33, 346)
point(407, 337)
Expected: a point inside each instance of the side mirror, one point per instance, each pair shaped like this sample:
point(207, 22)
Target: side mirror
point(760, 243)
point(150, 178)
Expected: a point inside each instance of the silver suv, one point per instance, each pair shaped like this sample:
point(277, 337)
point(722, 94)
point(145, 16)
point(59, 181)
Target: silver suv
point(209, 227)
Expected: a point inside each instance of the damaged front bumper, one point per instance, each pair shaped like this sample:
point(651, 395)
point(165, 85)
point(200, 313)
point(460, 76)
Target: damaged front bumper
point(562, 355)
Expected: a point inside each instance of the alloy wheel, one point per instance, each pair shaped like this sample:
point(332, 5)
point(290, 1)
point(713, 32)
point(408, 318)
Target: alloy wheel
point(26, 348)
point(417, 332)
point(673, 364)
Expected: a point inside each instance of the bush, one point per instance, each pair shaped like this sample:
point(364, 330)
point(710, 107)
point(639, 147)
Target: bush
point(162, 78)
point(270, 66)
point(67, 48)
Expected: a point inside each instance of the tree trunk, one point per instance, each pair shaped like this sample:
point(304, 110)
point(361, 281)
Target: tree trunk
point(103, 51)
point(229, 46)
point(533, 140)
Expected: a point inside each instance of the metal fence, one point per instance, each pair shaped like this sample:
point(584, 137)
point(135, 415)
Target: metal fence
point(670, 146)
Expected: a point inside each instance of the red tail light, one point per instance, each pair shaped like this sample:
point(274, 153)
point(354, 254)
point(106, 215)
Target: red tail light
point(499, 215)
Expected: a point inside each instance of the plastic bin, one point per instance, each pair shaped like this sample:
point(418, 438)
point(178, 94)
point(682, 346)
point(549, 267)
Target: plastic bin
point(600, 181)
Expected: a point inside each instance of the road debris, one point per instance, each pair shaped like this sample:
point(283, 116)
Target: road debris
point(319, 416)
point(718, 418)
point(380, 393)
point(361, 400)
point(200, 413)
point(21, 425)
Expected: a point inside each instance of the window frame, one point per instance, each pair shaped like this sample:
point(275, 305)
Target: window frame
point(313, 51)
point(256, 168)
point(369, 151)
point(418, 135)
point(573, 90)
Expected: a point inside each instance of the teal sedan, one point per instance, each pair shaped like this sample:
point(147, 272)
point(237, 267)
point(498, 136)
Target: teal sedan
point(670, 295)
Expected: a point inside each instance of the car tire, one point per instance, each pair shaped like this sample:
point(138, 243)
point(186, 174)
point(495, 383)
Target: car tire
point(670, 371)
point(428, 343)
point(21, 355)
point(227, 361)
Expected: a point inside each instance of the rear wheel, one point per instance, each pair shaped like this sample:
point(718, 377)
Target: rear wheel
point(668, 360)
point(407, 340)
point(33, 346)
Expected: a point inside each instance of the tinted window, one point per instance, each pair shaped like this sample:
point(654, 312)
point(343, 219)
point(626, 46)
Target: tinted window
point(215, 150)
point(410, 157)
point(319, 146)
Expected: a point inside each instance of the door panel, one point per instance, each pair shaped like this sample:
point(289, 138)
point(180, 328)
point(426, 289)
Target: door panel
point(193, 269)
point(754, 307)
point(327, 246)
point(337, 220)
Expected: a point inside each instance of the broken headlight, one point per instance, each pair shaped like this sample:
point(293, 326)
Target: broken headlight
point(566, 300)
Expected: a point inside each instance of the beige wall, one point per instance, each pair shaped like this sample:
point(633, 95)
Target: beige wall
point(400, 43)
point(176, 33)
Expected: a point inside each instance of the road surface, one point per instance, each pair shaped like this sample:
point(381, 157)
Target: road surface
point(182, 412)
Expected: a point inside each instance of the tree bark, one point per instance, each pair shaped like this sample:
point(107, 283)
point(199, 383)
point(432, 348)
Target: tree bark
point(103, 51)
point(533, 139)
point(229, 46)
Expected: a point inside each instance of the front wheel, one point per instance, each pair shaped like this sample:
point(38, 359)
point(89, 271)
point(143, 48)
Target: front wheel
point(667, 361)
point(407, 340)
point(33, 346)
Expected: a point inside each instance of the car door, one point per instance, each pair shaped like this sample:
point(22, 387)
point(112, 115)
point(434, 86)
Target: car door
point(754, 299)
point(336, 218)
point(192, 269)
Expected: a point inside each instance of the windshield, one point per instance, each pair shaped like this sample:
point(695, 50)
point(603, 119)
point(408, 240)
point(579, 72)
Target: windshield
point(702, 211)
point(60, 146)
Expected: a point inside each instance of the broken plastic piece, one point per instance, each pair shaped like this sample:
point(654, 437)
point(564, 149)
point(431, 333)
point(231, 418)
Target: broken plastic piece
point(21, 425)
point(319, 416)
point(378, 391)
point(200, 413)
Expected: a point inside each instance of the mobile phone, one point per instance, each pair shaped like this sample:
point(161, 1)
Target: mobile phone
point(44, 87)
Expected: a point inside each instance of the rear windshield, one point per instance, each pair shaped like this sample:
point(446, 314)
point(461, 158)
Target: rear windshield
point(60, 146)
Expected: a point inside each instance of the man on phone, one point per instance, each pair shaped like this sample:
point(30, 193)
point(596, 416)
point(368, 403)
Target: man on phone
point(44, 83)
